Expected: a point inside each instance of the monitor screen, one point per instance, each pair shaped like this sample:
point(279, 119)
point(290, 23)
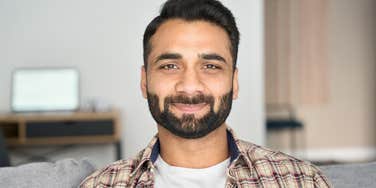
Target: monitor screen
point(53, 89)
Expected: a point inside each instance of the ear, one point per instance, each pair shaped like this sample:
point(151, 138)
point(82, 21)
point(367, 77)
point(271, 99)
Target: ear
point(143, 82)
point(235, 85)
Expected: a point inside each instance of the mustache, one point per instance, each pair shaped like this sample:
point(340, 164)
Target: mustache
point(200, 98)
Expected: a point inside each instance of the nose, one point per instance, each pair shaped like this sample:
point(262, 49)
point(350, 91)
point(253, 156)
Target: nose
point(190, 83)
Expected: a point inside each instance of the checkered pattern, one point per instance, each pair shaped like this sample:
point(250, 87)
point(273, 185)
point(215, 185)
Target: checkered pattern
point(252, 166)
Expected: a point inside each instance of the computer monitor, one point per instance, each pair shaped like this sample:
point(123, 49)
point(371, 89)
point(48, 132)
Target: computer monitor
point(45, 89)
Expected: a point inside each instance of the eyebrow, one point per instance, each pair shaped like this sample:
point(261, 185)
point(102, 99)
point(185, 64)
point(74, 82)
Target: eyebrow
point(212, 56)
point(165, 56)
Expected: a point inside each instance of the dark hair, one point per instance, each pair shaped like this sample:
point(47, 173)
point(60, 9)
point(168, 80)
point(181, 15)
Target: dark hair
point(191, 10)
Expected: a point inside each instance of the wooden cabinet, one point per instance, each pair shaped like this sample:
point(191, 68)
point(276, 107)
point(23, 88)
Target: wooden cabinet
point(61, 128)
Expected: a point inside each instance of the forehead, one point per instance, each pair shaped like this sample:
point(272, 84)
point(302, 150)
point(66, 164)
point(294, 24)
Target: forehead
point(177, 35)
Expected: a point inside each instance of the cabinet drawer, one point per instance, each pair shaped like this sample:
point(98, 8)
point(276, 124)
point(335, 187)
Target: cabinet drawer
point(69, 128)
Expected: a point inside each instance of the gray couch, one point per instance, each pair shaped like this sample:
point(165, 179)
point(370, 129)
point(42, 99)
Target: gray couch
point(66, 173)
point(352, 175)
point(69, 173)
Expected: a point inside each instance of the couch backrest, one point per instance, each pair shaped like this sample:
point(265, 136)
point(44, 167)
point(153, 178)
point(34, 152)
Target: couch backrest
point(351, 175)
point(61, 174)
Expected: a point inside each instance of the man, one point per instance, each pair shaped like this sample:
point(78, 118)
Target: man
point(190, 78)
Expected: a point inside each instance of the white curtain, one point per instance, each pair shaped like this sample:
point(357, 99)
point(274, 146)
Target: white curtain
point(296, 59)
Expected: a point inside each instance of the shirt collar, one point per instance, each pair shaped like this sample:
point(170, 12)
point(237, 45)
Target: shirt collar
point(233, 147)
point(151, 152)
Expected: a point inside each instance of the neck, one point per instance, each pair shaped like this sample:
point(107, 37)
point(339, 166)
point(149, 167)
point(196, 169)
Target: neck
point(194, 153)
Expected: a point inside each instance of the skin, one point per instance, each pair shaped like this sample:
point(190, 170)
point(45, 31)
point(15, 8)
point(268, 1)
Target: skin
point(190, 58)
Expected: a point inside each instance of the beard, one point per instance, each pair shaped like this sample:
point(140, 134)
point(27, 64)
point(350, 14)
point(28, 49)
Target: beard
point(188, 126)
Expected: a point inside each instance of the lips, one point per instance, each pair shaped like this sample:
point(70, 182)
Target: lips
point(189, 108)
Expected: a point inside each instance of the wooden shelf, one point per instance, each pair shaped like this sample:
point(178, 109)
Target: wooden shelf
point(65, 128)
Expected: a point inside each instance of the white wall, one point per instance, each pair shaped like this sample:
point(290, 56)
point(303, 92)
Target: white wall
point(103, 39)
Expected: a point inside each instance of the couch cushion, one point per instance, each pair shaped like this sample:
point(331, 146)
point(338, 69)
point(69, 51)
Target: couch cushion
point(63, 173)
point(351, 175)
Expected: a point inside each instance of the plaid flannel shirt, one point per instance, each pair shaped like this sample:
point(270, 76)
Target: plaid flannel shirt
point(250, 166)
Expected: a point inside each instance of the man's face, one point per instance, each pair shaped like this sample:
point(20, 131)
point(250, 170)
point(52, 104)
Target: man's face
point(189, 81)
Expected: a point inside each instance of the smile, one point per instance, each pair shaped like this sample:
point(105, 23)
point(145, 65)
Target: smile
point(189, 108)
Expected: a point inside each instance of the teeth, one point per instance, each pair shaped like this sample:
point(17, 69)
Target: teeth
point(191, 104)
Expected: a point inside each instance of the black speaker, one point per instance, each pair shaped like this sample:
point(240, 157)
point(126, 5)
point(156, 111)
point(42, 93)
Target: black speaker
point(4, 157)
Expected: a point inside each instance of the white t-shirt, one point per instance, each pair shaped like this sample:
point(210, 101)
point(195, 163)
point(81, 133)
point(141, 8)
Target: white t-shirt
point(167, 176)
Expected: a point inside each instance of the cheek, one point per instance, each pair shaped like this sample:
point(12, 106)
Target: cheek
point(160, 88)
point(218, 89)
point(218, 86)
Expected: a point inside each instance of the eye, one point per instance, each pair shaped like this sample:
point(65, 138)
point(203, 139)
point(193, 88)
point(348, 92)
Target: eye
point(168, 67)
point(211, 66)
